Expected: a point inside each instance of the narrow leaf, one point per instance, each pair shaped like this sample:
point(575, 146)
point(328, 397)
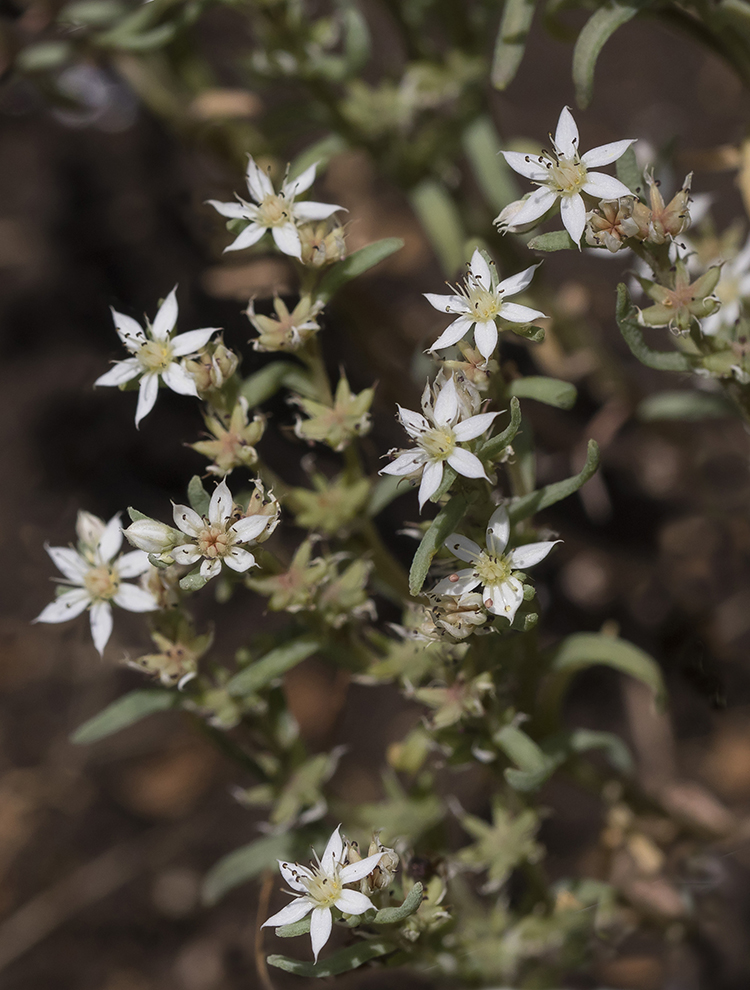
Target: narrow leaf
point(511, 41)
point(193, 582)
point(442, 223)
point(262, 385)
point(589, 649)
point(384, 491)
point(555, 240)
point(245, 863)
point(527, 505)
point(442, 526)
point(128, 710)
point(390, 915)
point(340, 962)
point(493, 447)
point(534, 765)
point(494, 175)
point(596, 31)
point(684, 405)
point(319, 153)
point(618, 754)
point(292, 931)
point(356, 264)
point(198, 496)
point(272, 665)
point(632, 331)
point(551, 391)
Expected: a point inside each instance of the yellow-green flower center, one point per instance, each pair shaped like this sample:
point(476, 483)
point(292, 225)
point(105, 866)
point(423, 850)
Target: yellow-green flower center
point(492, 571)
point(102, 582)
point(215, 541)
point(484, 305)
point(156, 355)
point(273, 212)
point(438, 442)
point(323, 889)
point(568, 176)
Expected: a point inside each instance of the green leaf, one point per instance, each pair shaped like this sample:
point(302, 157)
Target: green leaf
point(596, 31)
point(618, 754)
point(551, 391)
point(198, 496)
point(494, 175)
point(534, 765)
point(193, 582)
point(356, 264)
point(245, 863)
point(628, 171)
point(440, 529)
point(319, 153)
point(511, 41)
point(684, 405)
point(493, 447)
point(95, 13)
point(44, 56)
point(356, 40)
point(298, 928)
point(391, 915)
point(583, 650)
point(135, 515)
point(556, 240)
point(632, 331)
point(527, 505)
point(265, 383)
point(442, 223)
point(384, 491)
point(127, 710)
point(148, 41)
point(255, 676)
point(340, 962)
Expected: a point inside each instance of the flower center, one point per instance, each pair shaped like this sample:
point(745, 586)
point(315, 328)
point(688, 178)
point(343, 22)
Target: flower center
point(568, 175)
point(273, 212)
point(102, 582)
point(323, 889)
point(484, 305)
point(215, 541)
point(156, 355)
point(492, 571)
point(438, 442)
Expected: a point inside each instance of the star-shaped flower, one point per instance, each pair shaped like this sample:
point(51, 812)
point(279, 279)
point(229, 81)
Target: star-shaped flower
point(277, 212)
point(322, 887)
point(564, 175)
point(155, 352)
point(495, 570)
point(478, 305)
point(438, 434)
point(96, 574)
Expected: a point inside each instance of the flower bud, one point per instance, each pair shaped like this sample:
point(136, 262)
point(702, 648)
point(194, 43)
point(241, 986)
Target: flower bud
point(611, 224)
point(289, 331)
point(383, 874)
point(321, 246)
point(152, 536)
point(215, 364)
point(89, 529)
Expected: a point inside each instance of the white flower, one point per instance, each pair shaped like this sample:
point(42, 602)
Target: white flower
point(97, 575)
point(219, 536)
point(502, 590)
point(732, 289)
point(154, 355)
point(322, 887)
point(277, 212)
point(479, 305)
point(438, 434)
point(564, 176)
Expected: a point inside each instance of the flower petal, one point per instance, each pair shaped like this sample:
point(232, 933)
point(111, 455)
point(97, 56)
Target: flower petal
point(249, 236)
point(413, 422)
point(210, 568)
point(605, 186)
point(334, 851)
point(187, 553)
point(314, 211)
point(132, 564)
point(453, 333)
point(446, 408)
point(515, 313)
point(258, 183)
point(166, 318)
point(147, 392)
point(530, 166)
point(249, 527)
point(129, 331)
point(291, 873)
point(498, 531)
point(480, 270)
point(605, 154)
point(518, 282)
point(474, 426)
point(187, 520)
point(192, 341)
point(505, 598)
point(530, 554)
point(302, 183)
point(135, 599)
point(573, 213)
point(100, 618)
point(464, 462)
point(447, 304)
point(179, 380)
point(287, 240)
point(463, 548)
point(120, 372)
point(111, 540)
point(353, 902)
point(467, 581)
point(233, 211)
point(221, 504)
point(295, 911)
point(321, 924)
point(239, 560)
point(566, 134)
point(485, 337)
point(69, 562)
point(431, 478)
point(407, 463)
point(534, 207)
point(356, 871)
point(65, 606)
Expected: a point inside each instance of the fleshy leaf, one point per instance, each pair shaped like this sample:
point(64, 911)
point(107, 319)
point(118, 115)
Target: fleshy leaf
point(390, 915)
point(534, 765)
point(491, 448)
point(495, 177)
point(440, 529)
point(356, 264)
point(684, 405)
point(340, 962)
point(247, 862)
point(511, 41)
point(551, 391)
point(128, 710)
point(301, 927)
point(256, 675)
point(555, 240)
point(596, 32)
point(442, 223)
point(198, 496)
point(265, 383)
point(632, 331)
point(193, 582)
point(527, 505)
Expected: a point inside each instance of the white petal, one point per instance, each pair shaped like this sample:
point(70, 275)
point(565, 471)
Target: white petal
point(111, 540)
point(290, 872)
point(69, 562)
point(353, 902)
point(453, 333)
point(192, 341)
point(463, 548)
point(128, 330)
point(65, 606)
point(314, 211)
point(356, 871)
point(179, 380)
point(480, 270)
point(333, 853)
point(249, 236)
point(295, 911)
point(446, 406)
point(249, 527)
point(527, 165)
point(301, 184)
point(605, 186)
point(407, 463)
point(233, 211)
point(447, 304)
point(517, 283)
point(474, 426)
point(320, 929)
point(100, 618)
point(566, 134)
point(133, 564)
point(239, 560)
point(505, 598)
point(210, 568)
point(147, 392)
point(187, 554)
point(530, 554)
point(135, 599)
point(573, 213)
point(413, 422)
point(515, 313)
point(534, 207)
point(467, 581)
point(120, 372)
point(166, 318)
point(485, 337)
point(464, 462)
point(498, 531)
point(221, 504)
point(187, 520)
point(287, 240)
point(605, 154)
point(431, 478)
point(258, 182)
